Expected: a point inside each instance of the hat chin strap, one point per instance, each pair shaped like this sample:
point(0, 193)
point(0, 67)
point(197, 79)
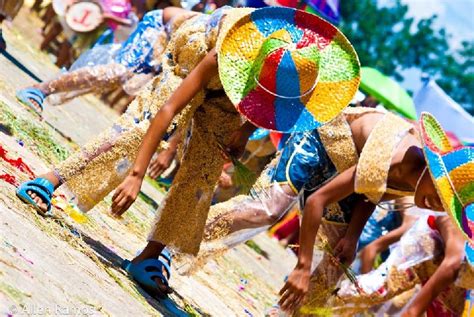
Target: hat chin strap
point(419, 178)
point(288, 97)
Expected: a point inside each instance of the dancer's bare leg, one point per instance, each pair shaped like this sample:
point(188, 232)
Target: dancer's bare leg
point(86, 79)
point(64, 54)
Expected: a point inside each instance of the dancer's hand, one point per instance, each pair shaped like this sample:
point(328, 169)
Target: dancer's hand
point(239, 139)
point(236, 145)
point(225, 180)
point(125, 194)
point(161, 163)
point(345, 250)
point(295, 289)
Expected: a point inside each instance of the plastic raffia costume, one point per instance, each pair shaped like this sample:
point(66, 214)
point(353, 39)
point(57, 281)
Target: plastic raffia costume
point(412, 261)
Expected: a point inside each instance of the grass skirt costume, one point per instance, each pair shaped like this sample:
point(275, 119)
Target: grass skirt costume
point(412, 261)
point(129, 65)
point(103, 163)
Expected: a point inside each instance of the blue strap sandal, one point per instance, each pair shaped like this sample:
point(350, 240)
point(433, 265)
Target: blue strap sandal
point(166, 254)
point(41, 187)
point(28, 95)
point(145, 273)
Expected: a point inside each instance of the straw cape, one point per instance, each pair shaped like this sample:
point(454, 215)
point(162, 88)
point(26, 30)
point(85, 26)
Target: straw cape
point(452, 171)
point(287, 70)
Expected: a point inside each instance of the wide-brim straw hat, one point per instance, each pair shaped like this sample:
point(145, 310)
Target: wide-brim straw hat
point(287, 70)
point(452, 171)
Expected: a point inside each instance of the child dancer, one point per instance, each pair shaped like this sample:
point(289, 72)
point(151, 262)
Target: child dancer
point(103, 163)
point(450, 174)
point(130, 65)
point(8, 10)
point(391, 163)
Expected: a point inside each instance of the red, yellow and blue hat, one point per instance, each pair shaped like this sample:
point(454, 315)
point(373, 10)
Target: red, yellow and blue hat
point(452, 171)
point(287, 70)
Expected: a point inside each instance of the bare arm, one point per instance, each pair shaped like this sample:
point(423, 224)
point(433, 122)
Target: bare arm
point(199, 77)
point(117, 19)
point(191, 85)
point(446, 273)
point(335, 190)
point(346, 248)
point(162, 161)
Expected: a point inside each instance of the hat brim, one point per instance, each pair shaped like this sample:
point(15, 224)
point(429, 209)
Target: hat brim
point(339, 70)
point(442, 160)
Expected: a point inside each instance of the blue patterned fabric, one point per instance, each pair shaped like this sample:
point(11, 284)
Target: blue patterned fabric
point(304, 158)
point(378, 225)
point(305, 165)
point(137, 51)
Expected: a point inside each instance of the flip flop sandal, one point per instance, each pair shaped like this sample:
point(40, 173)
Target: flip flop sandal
point(145, 272)
point(28, 95)
point(41, 187)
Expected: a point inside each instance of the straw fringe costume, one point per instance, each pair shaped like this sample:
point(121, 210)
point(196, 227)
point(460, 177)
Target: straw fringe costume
point(10, 8)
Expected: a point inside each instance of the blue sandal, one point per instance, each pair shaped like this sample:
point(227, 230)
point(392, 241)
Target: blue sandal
point(27, 95)
point(41, 187)
point(145, 272)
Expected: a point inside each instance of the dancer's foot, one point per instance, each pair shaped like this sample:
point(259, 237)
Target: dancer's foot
point(32, 97)
point(37, 195)
point(153, 251)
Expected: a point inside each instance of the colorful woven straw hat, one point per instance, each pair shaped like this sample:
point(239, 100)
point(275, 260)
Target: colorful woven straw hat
point(287, 70)
point(452, 171)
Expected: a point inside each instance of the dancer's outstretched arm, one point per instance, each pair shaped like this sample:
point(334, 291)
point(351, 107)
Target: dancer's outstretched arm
point(199, 77)
point(297, 285)
point(162, 161)
point(446, 273)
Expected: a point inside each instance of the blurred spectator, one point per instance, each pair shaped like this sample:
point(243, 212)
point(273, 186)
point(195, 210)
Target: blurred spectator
point(8, 10)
